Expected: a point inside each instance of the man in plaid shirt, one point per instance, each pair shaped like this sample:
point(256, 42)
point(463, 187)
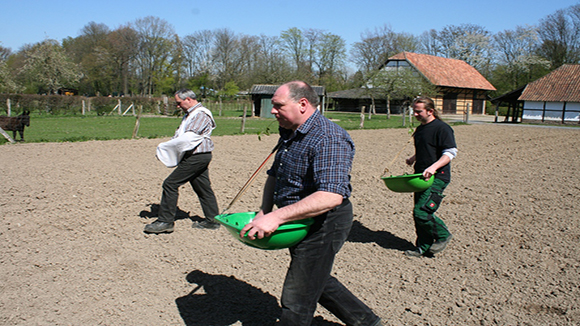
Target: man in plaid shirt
point(190, 150)
point(310, 178)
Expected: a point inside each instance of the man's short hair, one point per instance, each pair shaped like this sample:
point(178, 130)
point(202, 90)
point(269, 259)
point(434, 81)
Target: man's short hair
point(300, 89)
point(185, 93)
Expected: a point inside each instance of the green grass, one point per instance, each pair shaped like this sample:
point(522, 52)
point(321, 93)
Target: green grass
point(84, 128)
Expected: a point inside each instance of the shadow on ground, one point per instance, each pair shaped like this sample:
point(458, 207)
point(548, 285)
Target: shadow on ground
point(220, 300)
point(385, 239)
point(179, 215)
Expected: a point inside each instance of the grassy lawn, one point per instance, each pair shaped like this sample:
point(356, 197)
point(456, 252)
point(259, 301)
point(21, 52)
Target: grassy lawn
point(84, 128)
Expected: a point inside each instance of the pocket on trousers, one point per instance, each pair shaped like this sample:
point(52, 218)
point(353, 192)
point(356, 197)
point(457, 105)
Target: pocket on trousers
point(433, 202)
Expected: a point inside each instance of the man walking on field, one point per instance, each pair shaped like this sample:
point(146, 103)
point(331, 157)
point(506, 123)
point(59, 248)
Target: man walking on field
point(434, 149)
point(190, 151)
point(310, 178)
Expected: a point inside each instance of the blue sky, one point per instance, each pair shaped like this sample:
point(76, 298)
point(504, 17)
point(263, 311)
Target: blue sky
point(28, 22)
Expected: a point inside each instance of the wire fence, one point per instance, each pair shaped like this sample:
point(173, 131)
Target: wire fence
point(12, 105)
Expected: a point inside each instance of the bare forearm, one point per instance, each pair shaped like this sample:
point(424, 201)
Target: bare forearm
point(267, 222)
point(317, 203)
point(432, 169)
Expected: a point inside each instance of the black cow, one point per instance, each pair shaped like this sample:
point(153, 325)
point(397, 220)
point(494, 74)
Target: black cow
point(16, 124)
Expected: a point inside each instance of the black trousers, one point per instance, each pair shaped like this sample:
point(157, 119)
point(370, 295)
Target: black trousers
point(193, 168)
point(309, 280)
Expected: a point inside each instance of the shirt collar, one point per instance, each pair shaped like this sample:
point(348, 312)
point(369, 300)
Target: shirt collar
point(191, 109)
point(309, 123)
point(304, 128)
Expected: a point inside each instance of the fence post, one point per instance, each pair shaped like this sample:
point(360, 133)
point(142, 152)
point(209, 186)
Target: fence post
point(466, 119)
point(8, 106)
point(137, 122)
point(83, 107)
point(243, 120)
point(165, 105)
point(362, 117)
point(119, 103)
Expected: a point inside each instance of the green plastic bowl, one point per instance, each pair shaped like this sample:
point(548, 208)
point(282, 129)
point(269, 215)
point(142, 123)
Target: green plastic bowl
point(408, 182)
point(287, 234)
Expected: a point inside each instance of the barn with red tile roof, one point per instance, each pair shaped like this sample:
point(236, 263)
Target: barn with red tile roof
point(554, 97)
point(459, 85)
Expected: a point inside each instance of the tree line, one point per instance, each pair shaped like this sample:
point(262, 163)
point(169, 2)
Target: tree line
point(147, 58)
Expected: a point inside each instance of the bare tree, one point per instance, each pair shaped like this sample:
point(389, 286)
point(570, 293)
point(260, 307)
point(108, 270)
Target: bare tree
point(155, 45)
point(294, 43)
point(272, 67)
point(225, 56)
point(331, 58)
point(560, 36)
point(313, 38)
point(378, 45)
point(178, 64)
point(517, 53)
point(123, 49)
point(248, 52)
point(429, 43)
point(467, 42)
point(197, 49)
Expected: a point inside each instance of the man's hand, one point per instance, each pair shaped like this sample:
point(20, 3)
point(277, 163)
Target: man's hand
point(429, 172)
point(261, 226)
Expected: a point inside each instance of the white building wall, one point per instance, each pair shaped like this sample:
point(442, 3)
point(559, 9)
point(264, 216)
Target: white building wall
point(553, 111)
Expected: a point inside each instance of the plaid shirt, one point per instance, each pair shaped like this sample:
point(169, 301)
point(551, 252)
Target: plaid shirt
point(201, 124)
point(317, 157)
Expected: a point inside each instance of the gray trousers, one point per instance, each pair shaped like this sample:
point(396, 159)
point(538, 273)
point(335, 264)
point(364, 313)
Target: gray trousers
point(193, 168)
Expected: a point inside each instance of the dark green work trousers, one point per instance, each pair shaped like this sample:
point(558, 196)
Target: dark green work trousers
point(429, 227)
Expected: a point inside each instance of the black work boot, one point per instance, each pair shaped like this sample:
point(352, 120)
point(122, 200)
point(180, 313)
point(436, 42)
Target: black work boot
point(159, 227)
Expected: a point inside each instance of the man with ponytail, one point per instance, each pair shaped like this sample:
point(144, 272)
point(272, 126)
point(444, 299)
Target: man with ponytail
point(435, 147)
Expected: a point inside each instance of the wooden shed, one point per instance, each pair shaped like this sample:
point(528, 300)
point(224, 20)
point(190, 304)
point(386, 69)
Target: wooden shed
point(459, 85)
point(262, 99)
point(514, 105)
point(554, 97)
point(354, 99)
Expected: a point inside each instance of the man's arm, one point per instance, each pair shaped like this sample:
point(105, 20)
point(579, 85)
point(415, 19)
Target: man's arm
point(315, 204)
point(431, 170)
